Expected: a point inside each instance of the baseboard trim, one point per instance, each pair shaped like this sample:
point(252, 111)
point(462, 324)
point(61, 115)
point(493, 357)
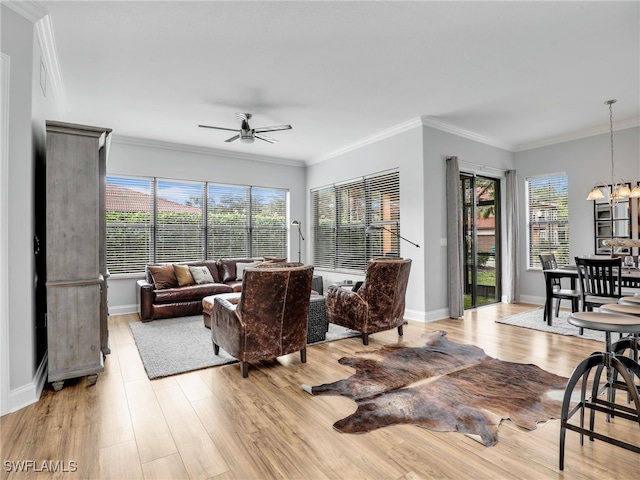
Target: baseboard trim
point(532, 299)
point(30, 393)
point(123, 309)
point(426, 317)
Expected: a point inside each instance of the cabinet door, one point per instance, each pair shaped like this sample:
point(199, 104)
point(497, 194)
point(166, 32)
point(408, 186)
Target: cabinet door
point(74, 336)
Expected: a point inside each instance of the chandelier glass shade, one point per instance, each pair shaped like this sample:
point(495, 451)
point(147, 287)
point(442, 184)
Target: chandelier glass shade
point(618, 189)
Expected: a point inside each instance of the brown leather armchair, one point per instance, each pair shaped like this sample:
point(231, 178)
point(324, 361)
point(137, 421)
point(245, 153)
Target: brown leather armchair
point(378, 305)
point(269, 320)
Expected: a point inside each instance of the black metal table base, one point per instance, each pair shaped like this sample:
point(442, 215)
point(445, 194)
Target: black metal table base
point(614, 364)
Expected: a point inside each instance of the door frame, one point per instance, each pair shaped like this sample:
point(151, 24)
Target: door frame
point(497, 202)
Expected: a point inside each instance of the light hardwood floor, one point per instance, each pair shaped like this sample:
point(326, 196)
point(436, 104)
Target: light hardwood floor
point(214, 424)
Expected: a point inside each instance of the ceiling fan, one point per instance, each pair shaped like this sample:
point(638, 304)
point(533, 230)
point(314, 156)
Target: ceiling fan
point(247, 134)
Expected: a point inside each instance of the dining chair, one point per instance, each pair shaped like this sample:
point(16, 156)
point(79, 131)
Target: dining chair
point(600, 281)
point(548, 262)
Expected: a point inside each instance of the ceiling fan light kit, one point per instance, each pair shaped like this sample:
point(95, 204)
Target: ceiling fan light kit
point(246, 134)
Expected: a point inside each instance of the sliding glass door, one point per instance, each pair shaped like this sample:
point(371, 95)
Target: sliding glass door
point(481, 226)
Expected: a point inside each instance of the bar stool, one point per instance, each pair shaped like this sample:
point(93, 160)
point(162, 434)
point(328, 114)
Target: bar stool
point(635, 300)
point(612, 362)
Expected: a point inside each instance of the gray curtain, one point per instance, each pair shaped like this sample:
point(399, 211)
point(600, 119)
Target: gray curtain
point(454, 240)
point(511, 271)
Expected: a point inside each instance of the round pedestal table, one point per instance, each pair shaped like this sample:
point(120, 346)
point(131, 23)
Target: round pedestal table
point(611, 362)
point(631, 341)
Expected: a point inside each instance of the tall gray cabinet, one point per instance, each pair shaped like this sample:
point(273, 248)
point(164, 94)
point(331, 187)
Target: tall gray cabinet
point(77, 333)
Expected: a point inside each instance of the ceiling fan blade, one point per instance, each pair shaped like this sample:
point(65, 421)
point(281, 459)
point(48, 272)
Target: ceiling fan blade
point(235, 137)
point(265, 138)
point(219, 128)
point(274, 128)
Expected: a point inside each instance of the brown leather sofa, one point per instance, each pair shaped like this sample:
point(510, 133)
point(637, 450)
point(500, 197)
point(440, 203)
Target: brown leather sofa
point(269, 319)
point(161, 295)
point(378, 305)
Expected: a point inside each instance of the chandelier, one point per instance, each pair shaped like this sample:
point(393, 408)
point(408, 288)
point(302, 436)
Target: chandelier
point(619, 188)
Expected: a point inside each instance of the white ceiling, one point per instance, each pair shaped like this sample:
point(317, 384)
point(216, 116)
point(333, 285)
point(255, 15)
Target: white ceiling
point(514, 74)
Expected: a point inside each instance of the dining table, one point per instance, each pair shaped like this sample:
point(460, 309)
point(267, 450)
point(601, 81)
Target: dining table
point(630, 277)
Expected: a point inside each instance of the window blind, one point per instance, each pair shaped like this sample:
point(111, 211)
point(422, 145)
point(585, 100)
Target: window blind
point(268, 222)
point(323, 204)
point(129, 218)
point(162, 220)
point(341, 214)
point(228, 221)
point(547, 218)
point(384, 210)
point(179, 221)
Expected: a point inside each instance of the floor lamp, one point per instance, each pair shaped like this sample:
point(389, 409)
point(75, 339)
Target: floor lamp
point(296, 223)
point(374, 228)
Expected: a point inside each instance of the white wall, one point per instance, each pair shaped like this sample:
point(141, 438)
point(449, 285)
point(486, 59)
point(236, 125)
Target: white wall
point(27, 108)
point(586, 161)
point(146, 158)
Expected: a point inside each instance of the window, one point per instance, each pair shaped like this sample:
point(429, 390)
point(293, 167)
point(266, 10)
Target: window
point(343, 212)
point(161, 220)
point(179, 221)
point(129, 212)
point(547, 200)
point(268, 222)
point(228, 220)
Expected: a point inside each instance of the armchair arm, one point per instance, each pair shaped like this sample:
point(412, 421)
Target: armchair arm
point(144, 296)
point(346, 308)
point(227, 327)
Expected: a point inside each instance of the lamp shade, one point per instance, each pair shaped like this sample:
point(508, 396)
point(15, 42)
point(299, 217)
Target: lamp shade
point(373, 228)
point(595, 194)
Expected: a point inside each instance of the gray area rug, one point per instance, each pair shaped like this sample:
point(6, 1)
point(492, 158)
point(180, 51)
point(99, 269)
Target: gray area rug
point(533, 319)
point(178, 345)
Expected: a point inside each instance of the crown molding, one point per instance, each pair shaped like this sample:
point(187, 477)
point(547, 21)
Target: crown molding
point(403, 127)
point(438, 124)
point(578, 135)
point(143, 142)
point(32, 11)
point(44, 31)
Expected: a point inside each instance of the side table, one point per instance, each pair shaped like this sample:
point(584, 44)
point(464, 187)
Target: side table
point(317, 324)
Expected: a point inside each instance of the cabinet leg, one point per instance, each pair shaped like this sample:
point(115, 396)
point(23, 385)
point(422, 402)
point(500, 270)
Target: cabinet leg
point(92, 379)
point(57, 386)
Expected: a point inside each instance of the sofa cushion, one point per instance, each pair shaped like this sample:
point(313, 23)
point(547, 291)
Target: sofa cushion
point(191, 292)
point(227, 267)
point(183, 274)
point(163, 276)
point(201, 274)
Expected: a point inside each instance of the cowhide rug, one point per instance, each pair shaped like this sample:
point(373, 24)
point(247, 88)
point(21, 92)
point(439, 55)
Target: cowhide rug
point(444, 386)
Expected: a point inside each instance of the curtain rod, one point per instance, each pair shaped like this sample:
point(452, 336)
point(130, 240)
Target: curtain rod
point(481, 166)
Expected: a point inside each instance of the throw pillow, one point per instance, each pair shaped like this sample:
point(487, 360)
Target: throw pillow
point(163, 276)
point(201, 274)
point(183, 274)
point(241, 267)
